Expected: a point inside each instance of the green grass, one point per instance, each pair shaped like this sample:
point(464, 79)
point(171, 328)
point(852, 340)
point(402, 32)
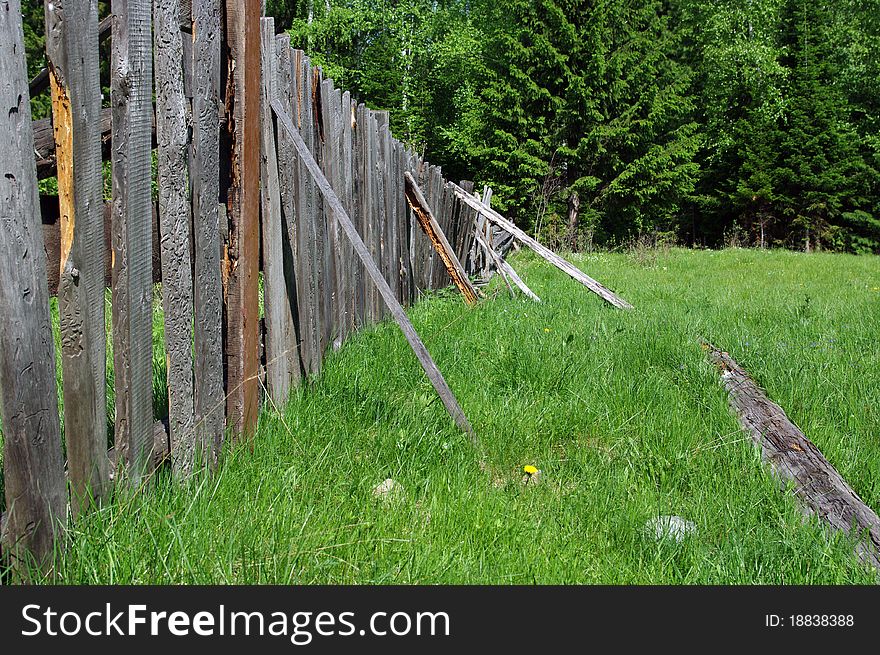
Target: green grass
point(619, 410)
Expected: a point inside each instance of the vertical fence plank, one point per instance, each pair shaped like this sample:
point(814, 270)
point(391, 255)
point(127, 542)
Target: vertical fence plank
point(242, 209)
point(308, 214)
point(281, 370)
point(350, 270)
point(207, 284)
point(359, 155)
point(131, 94)
point(330, 166)
point(72, 53)
point(33, 466)
point(172, 127)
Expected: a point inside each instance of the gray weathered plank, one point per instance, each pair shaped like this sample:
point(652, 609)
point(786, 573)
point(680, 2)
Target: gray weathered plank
point(438, 240)
point(33, 464)
point(175, 217)
point(242, 253)
point(131, 99)
point(603, 292)
point(72, 53)
point(290, 194)
point(794, 459)
point(207, 283)
point(282, 360)
point(433, 373)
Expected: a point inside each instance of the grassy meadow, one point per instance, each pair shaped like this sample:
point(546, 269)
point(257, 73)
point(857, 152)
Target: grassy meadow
point(619, 410)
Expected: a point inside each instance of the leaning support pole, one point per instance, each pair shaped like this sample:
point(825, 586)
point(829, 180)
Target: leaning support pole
point(817, 484)
point(603, 292)
point(429, 224)
point(421, 352)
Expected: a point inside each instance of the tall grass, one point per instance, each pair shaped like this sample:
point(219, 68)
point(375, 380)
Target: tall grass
point(619, 410)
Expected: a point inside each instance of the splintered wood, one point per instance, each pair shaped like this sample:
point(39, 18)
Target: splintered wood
point(429, 224)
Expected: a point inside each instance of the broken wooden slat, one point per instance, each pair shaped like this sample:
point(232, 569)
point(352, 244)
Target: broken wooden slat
point(72, 53)
point(34, 484)
point(603, 292)
point(131, 94)
point(242, 255)
point(426, 219)
point(821, 490)
point(207, 281)
point(505, 267)
point(172, 128)
point(433, 373)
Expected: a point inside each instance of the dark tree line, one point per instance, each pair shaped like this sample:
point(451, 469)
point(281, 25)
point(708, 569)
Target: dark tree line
point(596, 122)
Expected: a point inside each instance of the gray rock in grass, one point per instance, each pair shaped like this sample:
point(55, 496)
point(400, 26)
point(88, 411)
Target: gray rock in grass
point(670, 527)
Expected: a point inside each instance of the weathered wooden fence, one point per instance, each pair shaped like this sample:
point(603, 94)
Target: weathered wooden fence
point(193, 82)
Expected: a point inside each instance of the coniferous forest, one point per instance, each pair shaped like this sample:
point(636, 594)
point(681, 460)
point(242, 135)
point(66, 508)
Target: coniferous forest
point(754, 122)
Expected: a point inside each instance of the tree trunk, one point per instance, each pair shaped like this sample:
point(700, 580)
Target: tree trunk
point(574, 206)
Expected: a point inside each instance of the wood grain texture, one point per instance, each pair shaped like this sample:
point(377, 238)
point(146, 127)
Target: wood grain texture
point(545, 253)
point(33, 464)
point(438, 240)
point(207, 282)
point(288, 175)
point(794, 459)
point(131, 92)
point(72, 54)
point(430, 368)
point(175, 216)
point(243, 95)
point(280, 339)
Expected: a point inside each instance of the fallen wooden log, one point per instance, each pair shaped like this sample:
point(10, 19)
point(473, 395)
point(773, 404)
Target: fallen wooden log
point(603, 292)
point(432, 229)
point(793, 458)
point(415, 342)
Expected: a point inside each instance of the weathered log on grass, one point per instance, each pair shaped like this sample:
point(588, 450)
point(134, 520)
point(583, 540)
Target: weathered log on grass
point(431, 228)
point(603, 292)
point(794, 459)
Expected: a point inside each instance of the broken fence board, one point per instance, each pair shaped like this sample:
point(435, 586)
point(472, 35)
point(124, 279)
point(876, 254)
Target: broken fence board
point(33, 464)
point(72, 54)
point(794, 459)
point(421, 352)
point(432, 230)
point(172, 130)
point(242, 208)
point(606, 294)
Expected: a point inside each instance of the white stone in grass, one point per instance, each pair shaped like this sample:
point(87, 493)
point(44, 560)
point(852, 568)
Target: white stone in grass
point(388, 490)
point(670, 527)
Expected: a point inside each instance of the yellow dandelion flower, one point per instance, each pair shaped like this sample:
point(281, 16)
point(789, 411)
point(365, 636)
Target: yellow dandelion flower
point(546, 329)
point(531, 470)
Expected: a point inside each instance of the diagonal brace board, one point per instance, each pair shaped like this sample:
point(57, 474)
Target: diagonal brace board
point(543, 251)
point(421, 352)
point(429, 224)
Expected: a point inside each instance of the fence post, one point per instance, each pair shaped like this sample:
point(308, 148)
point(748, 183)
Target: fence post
point(72, 54)
point(33, 465)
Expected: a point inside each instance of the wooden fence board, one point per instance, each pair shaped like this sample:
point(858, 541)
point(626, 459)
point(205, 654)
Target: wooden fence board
point(72, 54)
point(243, 205)
point(207, 282)
point(172, 127)
point(282, 359)
point(33, 463)
point(330, 166)
point(433, 373)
